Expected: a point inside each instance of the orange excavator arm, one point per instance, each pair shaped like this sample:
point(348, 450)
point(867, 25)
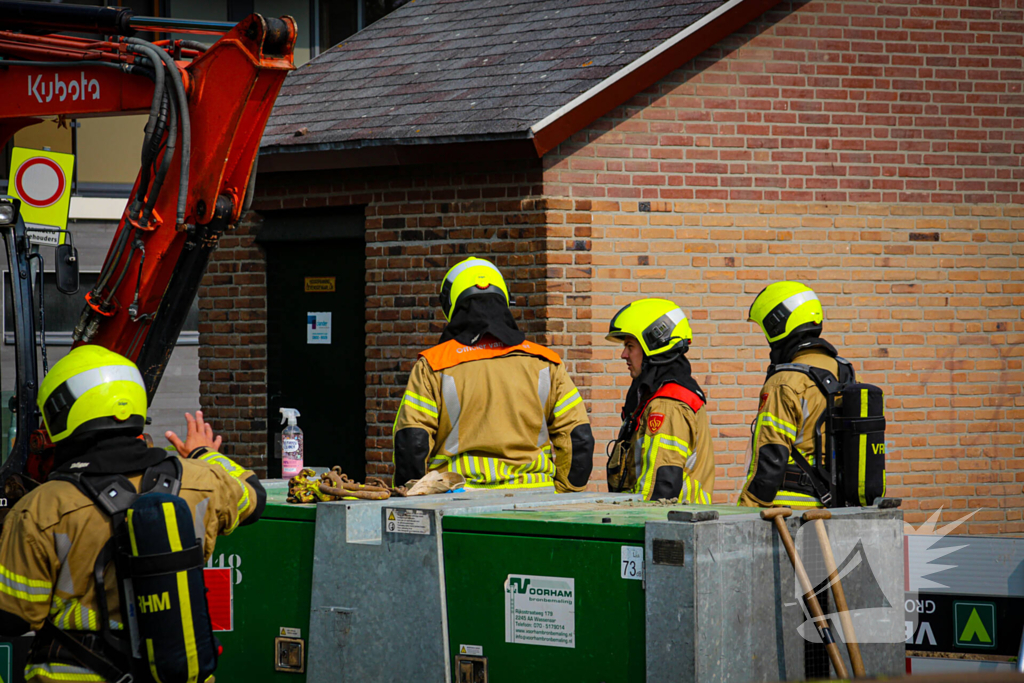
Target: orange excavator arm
point(207, 108)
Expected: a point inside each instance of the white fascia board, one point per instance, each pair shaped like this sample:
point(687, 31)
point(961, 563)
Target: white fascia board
point(627, 70)
point(97, 208)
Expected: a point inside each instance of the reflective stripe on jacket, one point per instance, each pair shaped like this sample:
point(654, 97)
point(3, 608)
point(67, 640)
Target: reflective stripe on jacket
point(671, 451)
point(53, 535)
point(503, 417)
point(789, 408)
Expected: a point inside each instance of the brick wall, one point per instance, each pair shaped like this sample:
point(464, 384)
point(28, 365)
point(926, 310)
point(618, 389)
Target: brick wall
point(871, 150)
point(419, 222)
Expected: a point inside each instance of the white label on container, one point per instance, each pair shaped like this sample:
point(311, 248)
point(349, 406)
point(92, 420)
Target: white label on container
point(632, 564)
point(291, 632)
point(540, 610)
point(290, 445)
point(472, 650)
point(399, 521)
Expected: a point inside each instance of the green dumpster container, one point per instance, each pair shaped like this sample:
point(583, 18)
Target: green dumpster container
point(589, 626)
point(646, 592)
point(271, 565)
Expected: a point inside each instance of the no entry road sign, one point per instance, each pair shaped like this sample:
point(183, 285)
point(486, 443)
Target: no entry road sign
point(42, 181)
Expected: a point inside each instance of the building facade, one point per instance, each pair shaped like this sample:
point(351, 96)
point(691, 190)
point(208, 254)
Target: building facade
point(871, 150)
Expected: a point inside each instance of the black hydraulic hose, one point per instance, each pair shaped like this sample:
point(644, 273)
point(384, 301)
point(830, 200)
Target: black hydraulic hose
point(155, 110)
point(194, 45)
point(186, 127)
point(133, 309)
point(118, 251)
point(165, 161)
point(127, 264)
point(158, 96)
point(59, 17)
point(250, 189)
point(42, 310)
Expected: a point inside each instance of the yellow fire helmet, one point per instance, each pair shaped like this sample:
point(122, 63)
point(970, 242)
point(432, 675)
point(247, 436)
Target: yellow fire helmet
point(92, 390)
point(658, 324)
point(782, 307)
point(469, 278)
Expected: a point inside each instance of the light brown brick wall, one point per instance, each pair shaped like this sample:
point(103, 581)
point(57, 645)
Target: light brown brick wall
point(926, 301)
point(871, 150)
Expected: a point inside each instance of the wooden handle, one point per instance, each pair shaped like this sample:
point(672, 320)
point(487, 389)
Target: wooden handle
point(821, 513)
point(772, 513)
point(840, 595)
point(805, 584)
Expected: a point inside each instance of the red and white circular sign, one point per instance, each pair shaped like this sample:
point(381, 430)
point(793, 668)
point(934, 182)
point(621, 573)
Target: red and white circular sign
point(40, 182)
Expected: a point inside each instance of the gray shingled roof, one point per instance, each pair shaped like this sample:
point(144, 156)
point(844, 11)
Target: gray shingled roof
point(466, 69)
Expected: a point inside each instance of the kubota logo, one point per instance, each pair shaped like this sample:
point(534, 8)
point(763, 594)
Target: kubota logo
point(45, 91)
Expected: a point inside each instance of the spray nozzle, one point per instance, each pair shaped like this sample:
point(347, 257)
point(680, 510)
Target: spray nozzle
point(289, 415)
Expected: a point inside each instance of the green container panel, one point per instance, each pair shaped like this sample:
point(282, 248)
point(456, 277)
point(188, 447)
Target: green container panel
point(482, 551)
point(582, 542)
point(273, 563)
point(583, 521)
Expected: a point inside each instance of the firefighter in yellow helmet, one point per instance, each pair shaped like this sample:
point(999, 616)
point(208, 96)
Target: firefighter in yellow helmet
point(93, 405)
point(487, 404)
point(664, 445)
point(783, 433)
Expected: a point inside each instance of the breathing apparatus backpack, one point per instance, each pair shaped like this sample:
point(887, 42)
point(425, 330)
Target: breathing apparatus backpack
point(849, 468)
point(159, 564)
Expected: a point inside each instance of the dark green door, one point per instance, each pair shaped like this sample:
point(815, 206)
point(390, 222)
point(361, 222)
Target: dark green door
point(320, 373)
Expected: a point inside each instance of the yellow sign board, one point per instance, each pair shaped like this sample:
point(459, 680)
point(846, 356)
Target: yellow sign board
point(320, 284)
point(42, 181)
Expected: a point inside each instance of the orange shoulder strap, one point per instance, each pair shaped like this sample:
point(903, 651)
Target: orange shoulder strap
point(452, 353)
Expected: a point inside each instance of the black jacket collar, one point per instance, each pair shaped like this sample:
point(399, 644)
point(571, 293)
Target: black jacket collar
point(118, 455)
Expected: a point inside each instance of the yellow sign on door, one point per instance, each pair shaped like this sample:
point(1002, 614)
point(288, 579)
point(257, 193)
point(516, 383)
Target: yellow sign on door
point(42, 181)
point(320, 284)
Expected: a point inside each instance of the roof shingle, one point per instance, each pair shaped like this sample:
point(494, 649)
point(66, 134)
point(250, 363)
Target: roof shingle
point(471, 68)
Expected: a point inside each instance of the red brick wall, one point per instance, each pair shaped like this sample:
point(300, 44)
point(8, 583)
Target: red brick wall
point(871, 150)
point(233, 346)
point(419, 222)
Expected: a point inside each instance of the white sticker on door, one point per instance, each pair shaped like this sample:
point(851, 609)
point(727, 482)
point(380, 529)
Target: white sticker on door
point(632, 564)
point(540, 610)
point(318, 327)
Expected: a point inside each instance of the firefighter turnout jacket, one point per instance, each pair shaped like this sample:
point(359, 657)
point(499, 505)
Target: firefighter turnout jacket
point(504, 417)
point(53, 536)
point(789, 408)
point(670, 454)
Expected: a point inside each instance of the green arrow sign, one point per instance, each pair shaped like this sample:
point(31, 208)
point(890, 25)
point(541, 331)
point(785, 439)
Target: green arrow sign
point(975, 624)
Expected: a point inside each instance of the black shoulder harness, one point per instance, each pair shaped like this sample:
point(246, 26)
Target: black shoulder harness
point(113, 494)
point(829, 385)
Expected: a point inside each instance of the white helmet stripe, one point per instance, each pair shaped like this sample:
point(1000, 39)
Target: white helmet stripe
point(469, 263)
point(676, 315)
point(90, 379)
point(797, 300)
